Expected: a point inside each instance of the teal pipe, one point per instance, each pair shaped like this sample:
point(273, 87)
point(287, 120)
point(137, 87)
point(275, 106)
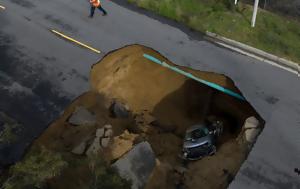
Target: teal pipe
point(189, 75)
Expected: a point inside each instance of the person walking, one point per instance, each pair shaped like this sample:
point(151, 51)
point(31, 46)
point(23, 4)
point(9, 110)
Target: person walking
point(96, 4)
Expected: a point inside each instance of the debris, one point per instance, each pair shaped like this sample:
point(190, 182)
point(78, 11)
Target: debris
point(105, 142)
point(82, 116)
point(251, 123)
point(122, 144)
point(137, 165)
point(100, 132)
point(252, 129)
point(108, 133)
point(107, 126)
point(119, 110)
point(79, 150)
point(95, 147)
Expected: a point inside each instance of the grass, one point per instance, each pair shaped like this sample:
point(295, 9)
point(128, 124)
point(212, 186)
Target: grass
point(42, 168)
point(8, 134)
point(273, 33)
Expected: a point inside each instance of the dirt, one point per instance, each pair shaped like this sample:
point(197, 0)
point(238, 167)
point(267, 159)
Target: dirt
point(163, 104)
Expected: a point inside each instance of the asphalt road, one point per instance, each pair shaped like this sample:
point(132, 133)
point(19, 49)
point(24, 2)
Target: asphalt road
point(40, 74)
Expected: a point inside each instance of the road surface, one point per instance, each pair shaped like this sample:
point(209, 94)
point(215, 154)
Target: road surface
point(40, 74)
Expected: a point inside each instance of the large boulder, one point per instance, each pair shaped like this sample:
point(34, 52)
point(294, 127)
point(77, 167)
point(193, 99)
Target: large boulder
point(82, 116)
point(137, 165)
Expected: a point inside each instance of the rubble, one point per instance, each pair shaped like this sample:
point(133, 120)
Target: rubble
point(107, 126)
point(108, 133)
point(105, 142)
point(122, 144)
point(100, 132)
point(252, 129)
point(119, 110)
point(79, 150)
point(82, 116)
point(95, 147)
point(137, 165)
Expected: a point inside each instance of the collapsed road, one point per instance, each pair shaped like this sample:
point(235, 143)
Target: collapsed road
point(133, 103)
point(41, 74)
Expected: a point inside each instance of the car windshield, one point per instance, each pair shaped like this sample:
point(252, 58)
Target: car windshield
point(198, 133)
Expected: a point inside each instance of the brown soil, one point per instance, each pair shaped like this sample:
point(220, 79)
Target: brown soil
point(174, 101)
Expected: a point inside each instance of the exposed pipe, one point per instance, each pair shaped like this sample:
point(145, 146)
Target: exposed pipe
point(189, 75)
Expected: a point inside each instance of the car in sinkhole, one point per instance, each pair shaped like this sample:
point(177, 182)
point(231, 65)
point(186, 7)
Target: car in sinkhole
point(200, 140)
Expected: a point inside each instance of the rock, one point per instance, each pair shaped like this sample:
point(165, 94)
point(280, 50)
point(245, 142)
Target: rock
point(251, 122)
point(105, 142)
point(100, 132)
point(107, 126)
point(137, 165)
point(79, 150)
point(95, 147)
point(251, 134)
point(122, 144)
point(252, 129)
point(119, 110)
point(108, 133)
point(82, 116)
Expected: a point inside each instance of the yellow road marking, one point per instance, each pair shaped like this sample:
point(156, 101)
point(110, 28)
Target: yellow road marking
point(2, 7)
point(75, 41)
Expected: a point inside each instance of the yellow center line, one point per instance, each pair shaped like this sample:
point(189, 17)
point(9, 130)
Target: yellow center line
point(2, 7)
point(75, 41)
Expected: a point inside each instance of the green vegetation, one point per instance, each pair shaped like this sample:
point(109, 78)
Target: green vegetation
point(106, 177)
point(42, 166)
point(7, 135)
point(273, 33)
point(35, 170)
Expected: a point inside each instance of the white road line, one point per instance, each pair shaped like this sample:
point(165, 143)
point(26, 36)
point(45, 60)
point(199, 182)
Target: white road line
point(2, 7)
point(259, 58)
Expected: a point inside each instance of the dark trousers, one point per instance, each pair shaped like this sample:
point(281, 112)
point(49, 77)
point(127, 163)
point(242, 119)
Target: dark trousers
point(93, 10)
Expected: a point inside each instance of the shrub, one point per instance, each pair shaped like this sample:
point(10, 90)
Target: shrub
point(35, 169)
point(104, 176)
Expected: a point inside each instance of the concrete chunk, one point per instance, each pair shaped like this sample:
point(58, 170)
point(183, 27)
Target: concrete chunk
point(251, 122)
point(137, 165)
point(82, 116)
point(105, 142)
point(100, 132)
point(79, 150)
point(108, 133)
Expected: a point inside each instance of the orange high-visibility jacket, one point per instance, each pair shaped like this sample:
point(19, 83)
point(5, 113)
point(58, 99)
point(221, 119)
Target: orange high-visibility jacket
point(95, 3)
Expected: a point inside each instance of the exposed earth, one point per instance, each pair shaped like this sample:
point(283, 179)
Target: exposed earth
point(133, 100)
